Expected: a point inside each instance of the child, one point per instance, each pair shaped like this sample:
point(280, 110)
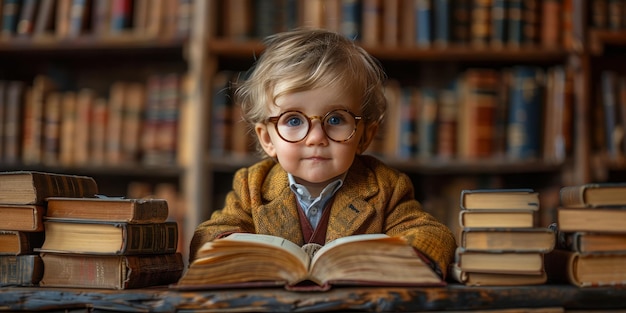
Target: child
point(315, 100)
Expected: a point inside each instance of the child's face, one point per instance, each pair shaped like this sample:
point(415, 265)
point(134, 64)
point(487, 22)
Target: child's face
point(316, 159)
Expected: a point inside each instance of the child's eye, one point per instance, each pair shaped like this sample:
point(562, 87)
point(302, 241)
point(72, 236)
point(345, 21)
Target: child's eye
point(294, 121)
point(334, 120)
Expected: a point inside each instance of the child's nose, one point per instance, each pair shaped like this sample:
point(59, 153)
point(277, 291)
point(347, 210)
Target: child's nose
point(316, 133)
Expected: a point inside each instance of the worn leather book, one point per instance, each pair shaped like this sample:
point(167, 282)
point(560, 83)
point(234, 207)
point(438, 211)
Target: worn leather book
point(586, 269)
point(23, 217)
point(245, 260)
point(20, 270)
point(73, 236)
point(18, 242)
point(108, 209)
point(110, 271)
point(31, 187)
point(594, 195)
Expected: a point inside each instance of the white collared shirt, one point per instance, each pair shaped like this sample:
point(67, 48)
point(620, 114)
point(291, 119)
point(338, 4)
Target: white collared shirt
point(313, 206)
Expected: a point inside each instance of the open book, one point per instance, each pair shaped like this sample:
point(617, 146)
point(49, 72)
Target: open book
point(245, 260)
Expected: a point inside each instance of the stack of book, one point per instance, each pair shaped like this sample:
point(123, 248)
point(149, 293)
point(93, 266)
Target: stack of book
point(500, 244)
point(109, 243)
point(591, 245)
point(22, 207)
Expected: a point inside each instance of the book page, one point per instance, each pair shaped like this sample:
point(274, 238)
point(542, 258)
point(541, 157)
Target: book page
point(344, 240)
point(273, 241)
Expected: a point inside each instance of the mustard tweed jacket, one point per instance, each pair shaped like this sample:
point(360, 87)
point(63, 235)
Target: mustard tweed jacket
point(373, 199)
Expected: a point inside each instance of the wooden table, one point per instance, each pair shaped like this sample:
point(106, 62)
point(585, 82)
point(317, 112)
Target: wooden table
point(453, 297)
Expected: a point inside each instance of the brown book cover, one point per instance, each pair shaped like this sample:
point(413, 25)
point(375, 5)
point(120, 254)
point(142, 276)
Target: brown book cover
point(12, 124)
point(530, 263)
point(497, 218)
point(23, 217)
point(551, 32)
point(610, 219)
point(496, 279)
point(108, 209)
point(586, 269)
point(512, 239)
point(593, 195)
point(20, 270)
point(109, 238)
point(13, 242)
point(44, 22)
point(499, 199)
point(32, 187)
point(110, 271)
point(592, 242)
point(245, 260)
point(477, 107)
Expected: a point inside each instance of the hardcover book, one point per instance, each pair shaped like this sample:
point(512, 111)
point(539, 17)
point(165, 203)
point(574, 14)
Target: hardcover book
point(592, 242)
point(136, 211)
point(496, 279)
point(513, 239)
point(20, 270)
point(497, 218)
point(19, 242)
point(594, 195)
point(244, 259)
point(586, 269)
point(74, 236)
point(22, 217)
point(609, 219)
point(528, 263)
point(31, 187)
point(110, 271)
point(500, 199)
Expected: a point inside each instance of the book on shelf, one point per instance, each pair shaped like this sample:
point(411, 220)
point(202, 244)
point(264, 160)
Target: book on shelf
point(608, 219)
point(113, 238)
point(244, 259)
point(12, 132)
point(109, 209)
point(28, 13)
point(591, 242)
point(527, 263)
point(593, 195)
point(524, 117)
point(500, 199)
point(10, 17)
point(33, 187)
point(497, 218)
point(22, 217)
point(13, 242)
point(20, 270)
point(586, 269)
point(110, 271)
point(513, 239)
point(496, 279)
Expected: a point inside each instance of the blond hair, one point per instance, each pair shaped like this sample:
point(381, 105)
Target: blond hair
point(306, 59)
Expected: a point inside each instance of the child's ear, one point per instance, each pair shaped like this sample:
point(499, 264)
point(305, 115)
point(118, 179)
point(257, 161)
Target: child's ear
point(368, 135)
point(264, 139)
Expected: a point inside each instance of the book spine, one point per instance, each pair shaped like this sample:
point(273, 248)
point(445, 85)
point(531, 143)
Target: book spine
point(162, 269)
point(10, 17)
point(498, 23)
point(551, 31)
point(573, 196)
point(13, 122)
point(21, 270)
point(515, 23)
point(442, 22)
point(27, 17)
point(50, 185)
point(523, 134)
point(152, 238)
point(351, 18)
point(423, 16)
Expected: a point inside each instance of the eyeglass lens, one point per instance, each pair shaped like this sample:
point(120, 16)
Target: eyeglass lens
point(339, 125)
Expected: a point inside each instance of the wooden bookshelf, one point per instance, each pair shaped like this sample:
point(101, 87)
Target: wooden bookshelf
point(95, 61)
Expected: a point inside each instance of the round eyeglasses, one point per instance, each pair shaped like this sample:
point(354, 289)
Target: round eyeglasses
point(293, 126)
